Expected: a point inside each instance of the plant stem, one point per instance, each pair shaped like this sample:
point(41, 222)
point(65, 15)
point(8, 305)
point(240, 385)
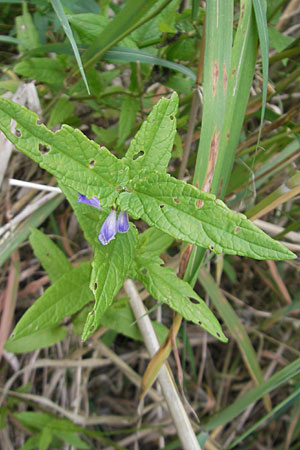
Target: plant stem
point(181, 421)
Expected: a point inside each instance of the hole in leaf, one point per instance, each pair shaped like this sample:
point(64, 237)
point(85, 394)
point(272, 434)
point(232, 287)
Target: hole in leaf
point(18, 133)
point(199, 322)
point(199, 203)
point(95, 286)
point(138, 155)
point(211, 247)
point(144, 271)
point(92, 327)
point(193, 300)
point(39, 122)
point(172, 117)
point(91, 164)
point(218, 334)
point(13, 335)
point(44, 149)
point(162, 206)
point(176, 200)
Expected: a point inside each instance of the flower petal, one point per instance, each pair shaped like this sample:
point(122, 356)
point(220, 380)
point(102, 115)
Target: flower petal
point(123, 223)
point(109, 228)
point(92, 202)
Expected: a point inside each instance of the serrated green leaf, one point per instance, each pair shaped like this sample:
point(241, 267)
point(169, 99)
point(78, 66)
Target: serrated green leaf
point(110, 267)
point(40, 339)
point(163, 284)
point(152, 145)
point(45, 70)
point(65, 297)
point(51, 257)
point(186, 213)
point(72, 158)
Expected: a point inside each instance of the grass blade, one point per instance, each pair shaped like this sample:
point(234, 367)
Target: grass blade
point(235, 326)
point(232, 411)
point(57, 6)
point(262, 28)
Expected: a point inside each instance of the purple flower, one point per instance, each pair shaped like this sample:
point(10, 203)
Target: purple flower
point(92, 202)
point(111, 225)
point(109, 228)
point(123, 223)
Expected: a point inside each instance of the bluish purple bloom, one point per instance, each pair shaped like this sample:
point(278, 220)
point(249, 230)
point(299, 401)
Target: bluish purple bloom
point(123, 223)
point(111, 225)
point(92, 202)
point(109, 228)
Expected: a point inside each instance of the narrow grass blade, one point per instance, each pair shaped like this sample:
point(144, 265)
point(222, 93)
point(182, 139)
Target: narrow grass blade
point(281, 406)
point(232, 411)
point(16, 238)
point(131, 55)
point(57, 6)
point(132, 15)
point(235, 326)
point(281, 195)
point(262, 28)
point(11, 40)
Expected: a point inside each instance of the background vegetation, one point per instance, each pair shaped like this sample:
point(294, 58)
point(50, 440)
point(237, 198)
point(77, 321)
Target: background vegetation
point(101, 67)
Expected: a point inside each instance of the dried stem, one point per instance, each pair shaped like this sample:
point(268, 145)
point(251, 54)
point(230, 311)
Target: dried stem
point(181, 421)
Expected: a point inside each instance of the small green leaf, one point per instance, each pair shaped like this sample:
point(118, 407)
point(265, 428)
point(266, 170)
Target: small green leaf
point(60, 112)
point(163, 284)
point(45, 438)
point(186, 213)
point(88, 25)
point(110, 267)
point(130, 107)
point(45, 70)
point(26, 31)
point(38, 340)
point(154, 242)
point(120, 318)
point(152, 145)
point(51, 257)
point(64, 298)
